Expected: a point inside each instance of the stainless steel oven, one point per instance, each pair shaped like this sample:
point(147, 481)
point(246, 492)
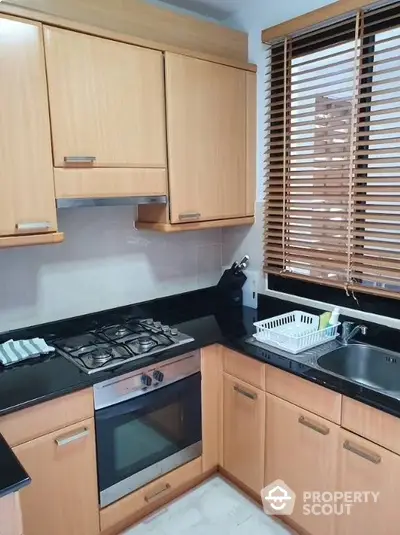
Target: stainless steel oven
point(148, 423)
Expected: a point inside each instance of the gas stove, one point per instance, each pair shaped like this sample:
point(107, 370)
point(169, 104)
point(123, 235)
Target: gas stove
point(113, 345)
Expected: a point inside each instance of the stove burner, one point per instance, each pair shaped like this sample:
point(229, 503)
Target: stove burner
point(122, 331)
point(77, 349)
point(145, 343)
point(100, 356)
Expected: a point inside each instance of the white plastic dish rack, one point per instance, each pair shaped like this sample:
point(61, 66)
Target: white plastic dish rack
point(294, 332)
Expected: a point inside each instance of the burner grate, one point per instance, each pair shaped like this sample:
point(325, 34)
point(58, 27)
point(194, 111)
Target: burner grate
point(113, 345)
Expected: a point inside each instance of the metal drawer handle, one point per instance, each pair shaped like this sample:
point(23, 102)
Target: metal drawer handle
point(190, 215)
point(244, 393)
point(372, 457)
point(151, 497)
point(79, 159)
point(322, 429)
point(29, 227)
point(63, 441)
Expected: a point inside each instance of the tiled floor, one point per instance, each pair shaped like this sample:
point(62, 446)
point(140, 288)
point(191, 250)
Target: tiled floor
point(214, 508)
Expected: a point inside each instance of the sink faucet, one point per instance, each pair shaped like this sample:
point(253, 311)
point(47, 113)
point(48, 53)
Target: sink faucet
point(349, 331)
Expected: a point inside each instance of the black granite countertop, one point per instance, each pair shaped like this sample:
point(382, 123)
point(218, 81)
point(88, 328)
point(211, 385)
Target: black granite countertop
point(12, 475)
point(202, 315)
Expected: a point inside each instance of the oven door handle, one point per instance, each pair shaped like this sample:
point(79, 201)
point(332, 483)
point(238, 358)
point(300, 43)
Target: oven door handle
point(151, 399)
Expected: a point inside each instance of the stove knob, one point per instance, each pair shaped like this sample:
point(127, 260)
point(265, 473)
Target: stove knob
point(146, 380)
point(165, 329)
point(174, 332)
point(158, 376)
point(157, 324)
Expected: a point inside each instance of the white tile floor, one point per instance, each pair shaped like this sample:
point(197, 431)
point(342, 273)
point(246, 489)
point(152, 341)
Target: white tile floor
point(214, 508)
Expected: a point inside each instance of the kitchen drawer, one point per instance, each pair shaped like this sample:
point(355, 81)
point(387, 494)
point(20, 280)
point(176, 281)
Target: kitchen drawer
point(305, 394)
point(153, 495)
point(371, 424)
point(247, 369)
point(100, 183)
point(33, 422)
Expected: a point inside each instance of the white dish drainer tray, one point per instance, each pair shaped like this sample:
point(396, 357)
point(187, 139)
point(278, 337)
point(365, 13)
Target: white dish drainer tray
point(294, 331)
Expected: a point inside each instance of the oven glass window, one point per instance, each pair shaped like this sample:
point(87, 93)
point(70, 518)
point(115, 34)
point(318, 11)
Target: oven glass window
point(132, 438)
point(137, 434)
point(152, 436)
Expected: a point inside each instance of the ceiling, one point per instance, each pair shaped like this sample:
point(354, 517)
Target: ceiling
point(216, 9)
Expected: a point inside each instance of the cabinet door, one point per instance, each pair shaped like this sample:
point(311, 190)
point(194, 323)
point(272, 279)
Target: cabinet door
point(106, 101)
point(10, 515)
point(364, 466)
point(206, 123)
point(211, 406)
point(243, 432)
point(62, 498)
point(302, 450)
point(26, 171)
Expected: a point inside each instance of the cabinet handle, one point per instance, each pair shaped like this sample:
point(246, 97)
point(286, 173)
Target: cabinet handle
point(189, 215)
point(79, 159)
point(322, 429)
point(34, 226)
point(63, 441)
point(372, 457)
point(249, 395)
point(151, 497)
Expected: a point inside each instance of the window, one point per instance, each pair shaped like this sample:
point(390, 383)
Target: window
point(333, 153)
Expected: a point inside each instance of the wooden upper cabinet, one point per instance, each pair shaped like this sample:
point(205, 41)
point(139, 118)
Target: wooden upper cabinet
point(206, 124)
point(106, 101)
point(251, 142)
point(27, 202)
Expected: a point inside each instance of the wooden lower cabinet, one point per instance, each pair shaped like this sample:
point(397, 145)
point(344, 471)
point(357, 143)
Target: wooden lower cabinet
point(10, 515)
point(365, 466)
point(62, 498)
point(371, 424)
point(244, 432)
point(211, 406)
point(121, 514)
point(309, 452)
point(302, 450)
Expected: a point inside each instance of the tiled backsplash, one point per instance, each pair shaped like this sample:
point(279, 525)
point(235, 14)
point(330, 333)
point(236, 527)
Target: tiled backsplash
point(103, 263)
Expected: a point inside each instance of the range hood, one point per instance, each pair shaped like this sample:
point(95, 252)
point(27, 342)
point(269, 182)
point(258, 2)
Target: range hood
point(111, 201)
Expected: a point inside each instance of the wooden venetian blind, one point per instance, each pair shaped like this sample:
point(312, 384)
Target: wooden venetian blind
point(333, 153)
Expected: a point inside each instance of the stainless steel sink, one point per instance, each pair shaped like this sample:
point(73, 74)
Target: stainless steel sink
point(364, 364)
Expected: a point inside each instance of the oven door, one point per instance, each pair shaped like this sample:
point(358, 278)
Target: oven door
point(140, 439)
